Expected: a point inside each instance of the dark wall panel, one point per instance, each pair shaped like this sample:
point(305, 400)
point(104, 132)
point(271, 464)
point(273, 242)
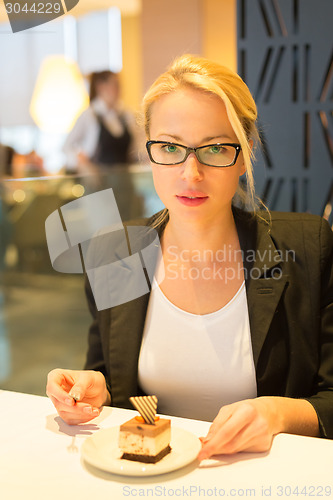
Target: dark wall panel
point(285, 55)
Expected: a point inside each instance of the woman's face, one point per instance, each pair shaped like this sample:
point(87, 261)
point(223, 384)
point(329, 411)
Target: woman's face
point(108, 90)
point(192, 190)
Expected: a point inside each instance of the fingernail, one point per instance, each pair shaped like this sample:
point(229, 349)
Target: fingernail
point(91, 411)
point(75, 395)
point(69, 401)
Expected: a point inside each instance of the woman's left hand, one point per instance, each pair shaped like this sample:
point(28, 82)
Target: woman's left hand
point(247, 425)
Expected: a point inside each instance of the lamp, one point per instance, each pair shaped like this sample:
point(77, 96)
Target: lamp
point(59, 96)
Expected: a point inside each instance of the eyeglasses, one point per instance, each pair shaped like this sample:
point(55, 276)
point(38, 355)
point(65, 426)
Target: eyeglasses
point(213, 155)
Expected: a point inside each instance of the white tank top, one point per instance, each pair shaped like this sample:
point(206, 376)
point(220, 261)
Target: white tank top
point(195, 364)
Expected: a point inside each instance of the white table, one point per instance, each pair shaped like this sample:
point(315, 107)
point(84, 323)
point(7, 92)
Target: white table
point(40, 459)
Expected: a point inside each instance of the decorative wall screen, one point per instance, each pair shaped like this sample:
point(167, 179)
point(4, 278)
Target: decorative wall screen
point(285, 55)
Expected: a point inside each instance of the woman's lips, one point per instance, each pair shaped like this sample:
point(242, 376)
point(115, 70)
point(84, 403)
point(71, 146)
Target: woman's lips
point(192, 198)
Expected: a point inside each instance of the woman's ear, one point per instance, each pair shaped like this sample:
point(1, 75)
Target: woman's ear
point(242, 166)
point(242, 170)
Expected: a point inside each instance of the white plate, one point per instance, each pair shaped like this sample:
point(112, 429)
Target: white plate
point(101, 450)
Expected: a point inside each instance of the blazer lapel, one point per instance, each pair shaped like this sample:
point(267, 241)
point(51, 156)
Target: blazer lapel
point(127, 320)
point(264, 277)
point(263, 298)
point(126, 329)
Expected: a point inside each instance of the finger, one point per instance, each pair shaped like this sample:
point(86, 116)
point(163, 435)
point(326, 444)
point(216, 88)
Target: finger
point(59, 406)
point(76, 408)
point(227, 437)
point(73, 419)
point(84, 382)
point(81, 412)
point(56, 381)
point(253, 437)
point(68, 386)
point(222, 417)
point(257, 437)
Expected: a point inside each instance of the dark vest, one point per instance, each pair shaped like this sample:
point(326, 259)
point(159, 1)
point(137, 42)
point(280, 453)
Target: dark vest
point(112, 150)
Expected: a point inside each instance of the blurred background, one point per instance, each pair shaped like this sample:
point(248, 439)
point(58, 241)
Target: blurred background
point(282, 48)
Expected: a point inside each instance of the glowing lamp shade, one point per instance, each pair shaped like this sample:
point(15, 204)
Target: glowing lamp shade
point(59, 95)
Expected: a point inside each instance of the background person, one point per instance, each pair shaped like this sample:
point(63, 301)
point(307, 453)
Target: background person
point(105, 133)
point(252, 353)
point(104, 140)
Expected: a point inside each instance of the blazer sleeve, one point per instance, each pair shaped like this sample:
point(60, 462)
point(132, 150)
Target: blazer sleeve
point(322, 399)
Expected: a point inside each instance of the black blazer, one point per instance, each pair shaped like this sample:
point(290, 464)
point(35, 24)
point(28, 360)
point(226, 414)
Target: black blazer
point(288, 265)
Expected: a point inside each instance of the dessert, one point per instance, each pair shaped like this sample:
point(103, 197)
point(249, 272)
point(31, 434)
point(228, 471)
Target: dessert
point(146, 438)
point(143, 442)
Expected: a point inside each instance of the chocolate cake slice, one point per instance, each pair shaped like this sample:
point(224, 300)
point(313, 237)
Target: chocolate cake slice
point(143, 442)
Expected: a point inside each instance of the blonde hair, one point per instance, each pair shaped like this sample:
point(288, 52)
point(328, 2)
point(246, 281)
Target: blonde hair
point(202, 74)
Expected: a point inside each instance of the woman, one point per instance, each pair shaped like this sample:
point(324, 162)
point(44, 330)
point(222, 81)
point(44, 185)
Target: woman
point(104, 134)
point(240, 330)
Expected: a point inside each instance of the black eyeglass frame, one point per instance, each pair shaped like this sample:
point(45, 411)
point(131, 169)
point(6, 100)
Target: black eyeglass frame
point(194, 150)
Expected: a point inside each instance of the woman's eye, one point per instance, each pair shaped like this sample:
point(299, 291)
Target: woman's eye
point(170, 148)
point(216, 149)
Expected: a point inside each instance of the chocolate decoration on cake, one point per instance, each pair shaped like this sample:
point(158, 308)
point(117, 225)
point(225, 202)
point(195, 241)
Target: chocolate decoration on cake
point(146, 406)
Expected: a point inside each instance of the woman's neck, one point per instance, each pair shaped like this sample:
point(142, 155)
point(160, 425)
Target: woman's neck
point(194, 236)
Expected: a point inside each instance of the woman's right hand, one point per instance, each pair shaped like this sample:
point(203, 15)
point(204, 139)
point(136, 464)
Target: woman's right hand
point(77, 395)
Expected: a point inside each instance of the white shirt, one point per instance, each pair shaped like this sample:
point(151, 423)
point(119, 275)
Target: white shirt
point(195, 364)
point(84, 136)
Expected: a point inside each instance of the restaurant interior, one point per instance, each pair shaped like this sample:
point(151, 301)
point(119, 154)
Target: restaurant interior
point(44, 319)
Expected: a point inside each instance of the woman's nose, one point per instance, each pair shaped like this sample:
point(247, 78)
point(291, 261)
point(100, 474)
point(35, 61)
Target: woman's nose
point(192, 168)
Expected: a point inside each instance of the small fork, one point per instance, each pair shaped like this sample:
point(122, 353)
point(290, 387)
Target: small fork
point(72, 448)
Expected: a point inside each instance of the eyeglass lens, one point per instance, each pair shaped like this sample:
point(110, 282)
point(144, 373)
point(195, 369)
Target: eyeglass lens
point(214, 154)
